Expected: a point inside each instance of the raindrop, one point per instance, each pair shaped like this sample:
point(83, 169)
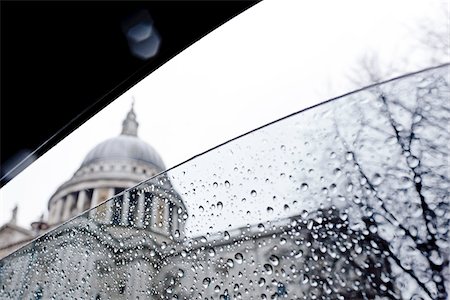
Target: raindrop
point(274, 260)
point(305, 279)
point(227, 183)
point(239, 258)
point(261, 281)
point(180, 273)
point(269, 209)
point(304, 187)
point(304, 214)
point(215, 185)
point(417, 118)
point(377, 179)
point(349, 156)
point(230, 263)
point(413, 162)
point(286, 207)
point(261, 227)
point(226, 235)
point(219, 205)
point(349, 187)
point(253, 193)
point(211, 252)
point(268, 268)
point(206, 282)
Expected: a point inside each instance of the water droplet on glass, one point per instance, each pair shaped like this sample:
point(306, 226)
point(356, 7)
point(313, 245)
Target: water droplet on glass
point(377, 179)
point(349, 156)
point(413, 162)
point(261, 227)
point(304, 214)
point(253, 193)
point(274, 260)
point(304, 187)
point(261, 281)
point(180, 273)
point(227, 183)
point(215, 184)
point(268, 269)
point(337, 172)
point(305, 279)
point(230, 263)
point(206, 282)
point(226, 235)
point(239, 258)
point(219, 205)
point(269, 209)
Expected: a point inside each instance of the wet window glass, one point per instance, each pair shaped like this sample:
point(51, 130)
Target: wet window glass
point(345, 200)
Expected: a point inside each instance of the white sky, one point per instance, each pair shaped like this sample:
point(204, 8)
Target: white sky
point(274, 59)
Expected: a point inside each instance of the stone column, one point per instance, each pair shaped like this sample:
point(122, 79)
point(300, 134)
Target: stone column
point(94, 201)
point(67, 207)
point(109, 206)
point(51, 214)
point(80, 201)
point(58, 211)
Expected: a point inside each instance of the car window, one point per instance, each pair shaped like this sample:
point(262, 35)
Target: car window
point(345, 200)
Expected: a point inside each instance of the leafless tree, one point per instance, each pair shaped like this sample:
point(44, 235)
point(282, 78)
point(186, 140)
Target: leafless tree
point(396, 152)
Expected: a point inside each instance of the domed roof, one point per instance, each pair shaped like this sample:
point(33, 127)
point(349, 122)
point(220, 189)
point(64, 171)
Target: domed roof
point(126, 146)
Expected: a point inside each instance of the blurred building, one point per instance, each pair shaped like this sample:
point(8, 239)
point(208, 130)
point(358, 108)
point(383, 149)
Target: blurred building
point(134, 246)
point(109, 168)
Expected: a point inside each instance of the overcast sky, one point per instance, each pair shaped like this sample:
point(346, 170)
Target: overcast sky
point(272, 60)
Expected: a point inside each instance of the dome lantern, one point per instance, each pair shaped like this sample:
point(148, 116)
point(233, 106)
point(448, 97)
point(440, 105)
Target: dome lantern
point(130, 124)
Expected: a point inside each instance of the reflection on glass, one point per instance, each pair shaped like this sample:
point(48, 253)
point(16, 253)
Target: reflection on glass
point(348, 200)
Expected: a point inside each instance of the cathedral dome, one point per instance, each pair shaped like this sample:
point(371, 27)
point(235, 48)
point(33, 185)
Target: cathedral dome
point(127, 146)
point(103, 185)
point(124, 147)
